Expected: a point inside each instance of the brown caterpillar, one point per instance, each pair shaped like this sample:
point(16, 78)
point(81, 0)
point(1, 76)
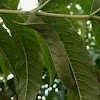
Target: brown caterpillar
point(55, 47)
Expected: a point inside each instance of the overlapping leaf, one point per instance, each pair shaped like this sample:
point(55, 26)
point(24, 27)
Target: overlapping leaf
point(47, 60)
point(56, 48)
point(28, 65)
point(81, 65)
point(53, 6)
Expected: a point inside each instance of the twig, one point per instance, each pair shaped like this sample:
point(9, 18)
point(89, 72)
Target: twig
point(95, 12)
point(44, 4)
point(51, 14)
point(68, 16)
point(3, 11)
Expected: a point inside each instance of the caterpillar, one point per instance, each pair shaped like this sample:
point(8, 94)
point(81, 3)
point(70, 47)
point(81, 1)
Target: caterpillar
point(55, 46)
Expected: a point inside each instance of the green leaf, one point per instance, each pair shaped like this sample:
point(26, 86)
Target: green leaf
point(13, 4)
point(97, 68)
point(95, 6)
point(10, 4)
point(2, 3)
point(55, 5)
point(81, 65)
point(86, 5)
point(47, 58)
point(73, 94)
point(96, 23)
point(28, 65)
point(55, 47)
point(3, 66)
point(7, 49)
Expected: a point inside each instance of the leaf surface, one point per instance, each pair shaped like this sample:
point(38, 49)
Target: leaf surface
point(81, 65)
point(46, 58)
point(55, 5)
point(13, 4)
point(7, 49)
point(28, 66)
point(55, 46)
point(86, 5)
point(2, 3)
point(73, 94)
point(3, 67)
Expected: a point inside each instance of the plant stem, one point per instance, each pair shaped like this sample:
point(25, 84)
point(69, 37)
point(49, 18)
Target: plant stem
point(95, 12)
point(43, 5)
point(3, 11)
point(68, 16)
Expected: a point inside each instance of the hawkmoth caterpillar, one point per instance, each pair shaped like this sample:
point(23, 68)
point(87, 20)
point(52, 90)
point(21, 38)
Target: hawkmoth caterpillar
point(55, 46)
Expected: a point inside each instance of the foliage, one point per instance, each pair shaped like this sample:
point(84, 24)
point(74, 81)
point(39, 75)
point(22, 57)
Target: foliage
point(47, 56)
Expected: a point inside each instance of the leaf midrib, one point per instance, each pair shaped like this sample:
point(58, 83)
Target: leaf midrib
point(75, 78)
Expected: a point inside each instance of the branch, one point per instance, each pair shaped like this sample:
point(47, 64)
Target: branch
point(3, 11)
point(95, 12)
point(51, 14)
point(68, 16)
